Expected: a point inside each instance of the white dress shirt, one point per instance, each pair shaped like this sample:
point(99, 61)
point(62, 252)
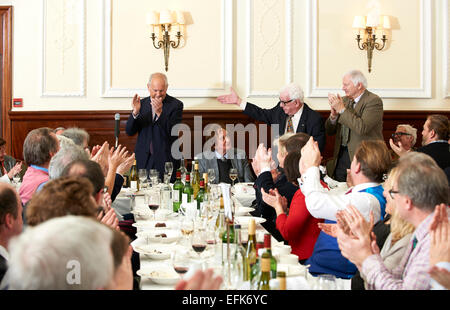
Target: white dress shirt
point(4, 253)
point(323, 203)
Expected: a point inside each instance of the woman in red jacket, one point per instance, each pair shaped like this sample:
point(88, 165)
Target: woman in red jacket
point(298, 227)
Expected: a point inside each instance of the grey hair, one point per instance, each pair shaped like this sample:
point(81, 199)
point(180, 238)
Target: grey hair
point(411, 130)
point(77, 135)
point(59, 254)
point(294, 91)
point(63, 158)
point(158, 75)
point(422, 180)
point(357, 77)
point(38, 145)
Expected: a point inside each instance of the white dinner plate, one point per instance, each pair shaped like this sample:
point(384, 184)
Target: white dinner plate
point(156, 252)
point(243, 210)
point(159, 275)
point(155, 236)
point(156, 224)
point(244, 220)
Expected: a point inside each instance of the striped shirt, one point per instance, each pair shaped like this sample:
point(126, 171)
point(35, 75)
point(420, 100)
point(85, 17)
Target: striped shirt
point(412, 271)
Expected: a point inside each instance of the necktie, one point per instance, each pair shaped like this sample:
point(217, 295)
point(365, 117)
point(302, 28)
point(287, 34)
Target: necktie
point(414, 242)
point(290, 126)
point(345, 131)
point(151, 142)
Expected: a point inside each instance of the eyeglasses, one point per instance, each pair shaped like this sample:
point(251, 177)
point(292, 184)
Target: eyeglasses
point(391, 191)
point(398, 134)
point(285, 102)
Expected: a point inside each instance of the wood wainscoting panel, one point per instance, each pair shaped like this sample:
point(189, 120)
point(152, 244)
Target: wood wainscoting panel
point(100, 125)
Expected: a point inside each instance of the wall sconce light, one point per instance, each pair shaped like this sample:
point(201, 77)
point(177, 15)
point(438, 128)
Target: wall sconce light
point(367, 33)
point(163, 23)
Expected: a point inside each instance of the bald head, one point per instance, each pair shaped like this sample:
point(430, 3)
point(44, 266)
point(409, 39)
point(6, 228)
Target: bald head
point(157, 86)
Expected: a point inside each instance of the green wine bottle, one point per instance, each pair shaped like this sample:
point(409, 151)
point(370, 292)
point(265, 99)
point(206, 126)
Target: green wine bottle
point(177, 191)
point(264, 280)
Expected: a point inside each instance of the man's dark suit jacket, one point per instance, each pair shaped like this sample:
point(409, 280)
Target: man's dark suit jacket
point(285, 188)
point(156, 132)
point(3, 267)
point(439, 151)
point(310, 122)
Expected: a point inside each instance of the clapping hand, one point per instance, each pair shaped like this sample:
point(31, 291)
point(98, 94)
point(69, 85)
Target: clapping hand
point(310, 156)
point(157, 105)
point(440, 245)
point(231, 98)
point(15, 170)
point(102, 157)
point(336, 104)
point(201, 280)
point(399, 150)
point(275, 200)
point(136, 104)
point(263, 158)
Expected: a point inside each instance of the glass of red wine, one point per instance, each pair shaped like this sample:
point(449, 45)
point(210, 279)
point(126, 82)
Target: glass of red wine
point(180, 263)
point(153, 202)
point(198, 241)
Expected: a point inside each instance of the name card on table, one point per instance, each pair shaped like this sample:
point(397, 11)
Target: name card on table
point(226, 190)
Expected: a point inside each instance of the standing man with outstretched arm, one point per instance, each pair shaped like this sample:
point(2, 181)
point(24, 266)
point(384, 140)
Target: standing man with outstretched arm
point(153, 118)
point(291, 113)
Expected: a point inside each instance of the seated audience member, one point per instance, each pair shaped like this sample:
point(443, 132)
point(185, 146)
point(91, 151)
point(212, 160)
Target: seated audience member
point(406, 136)
point(92, 171)
point(121, 251)
point(419, 188)
point(58, 131)
point(63, 253)
point(370, 162)
point(440, 249)
point(8, 165)
point(79, 136)
point(299, 228)
point(269, 177)
point(39, 147)
point(62, 158)
point(435, 136)
point(60, 197)
point(10, 222)
point(392, 234)
point(223, 158)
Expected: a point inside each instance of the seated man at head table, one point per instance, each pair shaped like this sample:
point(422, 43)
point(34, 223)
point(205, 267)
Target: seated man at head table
point(223, 159)
point(9, 167)
point(370, 162)
point(153, 118)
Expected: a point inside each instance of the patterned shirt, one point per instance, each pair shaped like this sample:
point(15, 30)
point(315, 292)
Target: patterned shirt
point(412, 271)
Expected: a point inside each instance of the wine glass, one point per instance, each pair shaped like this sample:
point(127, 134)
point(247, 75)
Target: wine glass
point(211, 176)
point(326, 282)
point(153, 201)
point(153, 175)
point(168, 168)
point(233, 174)
point(198, 241)
point(180, 263)
point(187, 227)
point(142, 174)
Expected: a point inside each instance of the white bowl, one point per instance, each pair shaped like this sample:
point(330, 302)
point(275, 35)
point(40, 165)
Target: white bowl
point(243, 210)
point(154, 236)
